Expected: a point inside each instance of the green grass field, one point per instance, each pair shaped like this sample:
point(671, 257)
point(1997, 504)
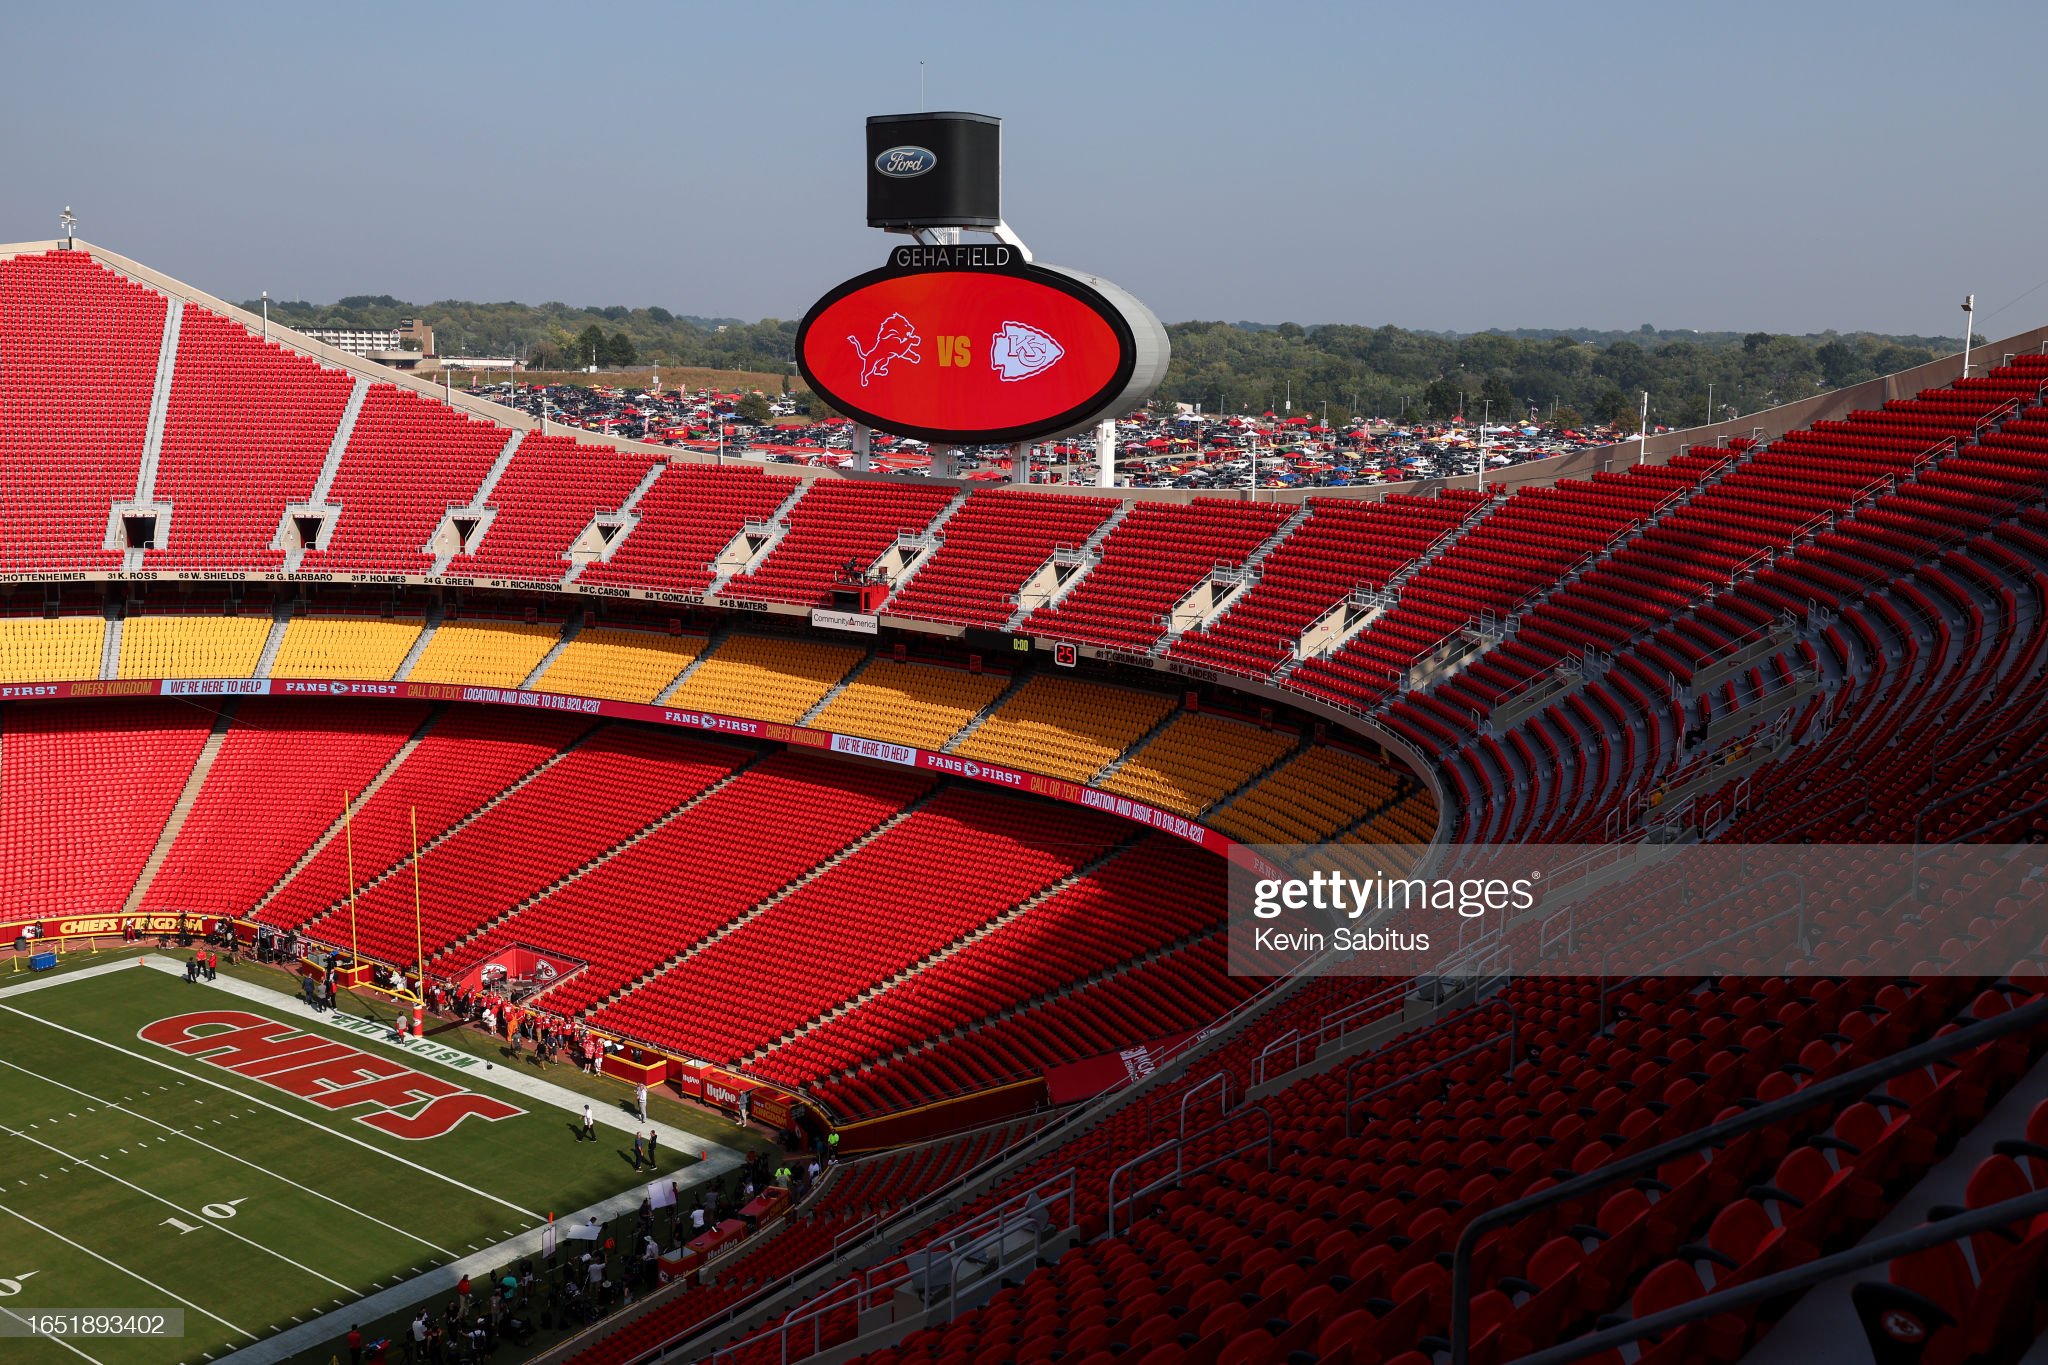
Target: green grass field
point(136, 1177)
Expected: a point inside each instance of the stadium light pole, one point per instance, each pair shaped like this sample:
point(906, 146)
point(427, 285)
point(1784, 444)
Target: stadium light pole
point(266, 315)
point(1486, 411)
point(67, 223)
point(1969, 326)
point(1643, 430)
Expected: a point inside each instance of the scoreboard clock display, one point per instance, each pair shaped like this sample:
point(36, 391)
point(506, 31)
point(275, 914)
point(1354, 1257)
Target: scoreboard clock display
point(967, 345)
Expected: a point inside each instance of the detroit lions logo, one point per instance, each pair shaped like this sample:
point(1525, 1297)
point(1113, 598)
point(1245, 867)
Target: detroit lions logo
point(897, 340)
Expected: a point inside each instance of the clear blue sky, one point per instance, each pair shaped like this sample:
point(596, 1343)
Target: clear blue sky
point(1783, 166)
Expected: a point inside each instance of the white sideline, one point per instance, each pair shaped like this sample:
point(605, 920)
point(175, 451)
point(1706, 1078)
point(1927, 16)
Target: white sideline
point(329, 1327)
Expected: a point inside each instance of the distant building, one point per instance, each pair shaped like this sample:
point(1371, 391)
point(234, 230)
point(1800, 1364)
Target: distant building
point(507, 363)
point(374, 343)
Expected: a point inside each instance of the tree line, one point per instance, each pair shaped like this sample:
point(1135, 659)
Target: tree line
point(1396, 373)
point(1338, 369)
point(558, 336)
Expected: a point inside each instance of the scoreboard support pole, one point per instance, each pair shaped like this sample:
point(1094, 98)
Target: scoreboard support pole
point(863, 447)
point(943, 466)
point(1020, 462)
point(1105, 453)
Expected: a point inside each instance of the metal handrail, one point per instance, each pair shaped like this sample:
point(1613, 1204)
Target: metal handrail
point(1352, 1100)
point(1768, 1287)
point(1857, 1082)
point(855, 1291)
point(1181, 1170)
point(1074, 1120)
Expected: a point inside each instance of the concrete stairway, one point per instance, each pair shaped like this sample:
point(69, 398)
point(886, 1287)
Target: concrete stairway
point(778, 529)
point(1108, 769)
point(770, 901)
point(435, 615)
point(153, 433)
point(1017, 680)
point(958, 945)
point(497, 799)
point(168, 836)
point(110, 650)
point(1091, 555)
point(710, 647)
point(1437, 549)
point(273, 642)
point(1011, 1011)
point(835, 689)
point(476, 506)
point(369, 790)
point(569, 632)
point(658, 822)
point(331, 466)
point(626, 518)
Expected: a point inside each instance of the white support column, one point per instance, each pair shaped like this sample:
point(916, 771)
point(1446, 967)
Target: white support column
point(942, 462)
point(863, 438)
point(1105, 453)
point(1020, 462)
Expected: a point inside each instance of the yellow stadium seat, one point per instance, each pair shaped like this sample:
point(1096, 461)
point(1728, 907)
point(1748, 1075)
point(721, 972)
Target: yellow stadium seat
point(623, 665)
point(1409, 823)
point(365, 647)
point(192, 646)
point(916, 704)
point(484, 653)
point(1197, 761)
point(765, 677)
point(1065, 727)
point(64, 650)
point(1312, 797)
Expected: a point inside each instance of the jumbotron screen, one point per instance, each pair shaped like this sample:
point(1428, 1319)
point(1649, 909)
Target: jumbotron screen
point(962, 355)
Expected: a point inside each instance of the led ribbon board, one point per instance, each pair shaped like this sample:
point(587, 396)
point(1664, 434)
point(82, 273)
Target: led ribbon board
point(966, 345)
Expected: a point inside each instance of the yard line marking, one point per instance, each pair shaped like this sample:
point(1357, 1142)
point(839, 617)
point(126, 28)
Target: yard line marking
point(179, 1208)
point(52, 1232)
point(59, 1340)
point(301, 1118)
point(51, 1080)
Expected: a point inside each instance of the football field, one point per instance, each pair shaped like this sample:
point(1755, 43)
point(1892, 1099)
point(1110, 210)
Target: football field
point(233, 1170)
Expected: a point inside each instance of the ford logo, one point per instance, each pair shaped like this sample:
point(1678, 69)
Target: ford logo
point(901, 163)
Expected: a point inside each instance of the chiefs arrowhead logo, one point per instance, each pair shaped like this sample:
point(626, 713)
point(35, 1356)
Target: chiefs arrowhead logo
point(1020, 351)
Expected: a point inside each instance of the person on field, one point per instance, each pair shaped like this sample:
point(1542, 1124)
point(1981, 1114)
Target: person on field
point(462, 1290)
point(653, 1145)
point(637, 1150)
point(355, 1345)
point(640, 1099)
point(589, 1125)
